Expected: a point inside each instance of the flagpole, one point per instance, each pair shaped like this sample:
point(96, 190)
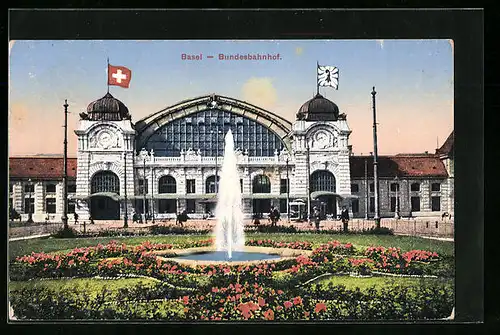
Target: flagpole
point(107, 79)
point(317, 83)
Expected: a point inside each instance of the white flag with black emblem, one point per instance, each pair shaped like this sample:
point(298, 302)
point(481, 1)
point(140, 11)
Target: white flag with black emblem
point(328, 76)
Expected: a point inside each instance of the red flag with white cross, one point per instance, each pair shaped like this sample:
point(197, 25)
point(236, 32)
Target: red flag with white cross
point(119, 76)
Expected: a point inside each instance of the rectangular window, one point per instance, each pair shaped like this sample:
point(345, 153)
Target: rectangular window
point(354, 188)
point(190, 186)
point(191, 205)
point(29, 188)
point(50, 205)
point(10, 189)
point(393, 204)
point(415, 204)
point(71, 206)
point(50, 188)
point(394, 187)
point(355, 205)
point(436, 204)
point(283, 208)
point(415, 187)
point(29, 205)
point(436, 187)
point(284, 185)
point(372, 204)
point(141, 186)
point(72, 188)
point(372, 187)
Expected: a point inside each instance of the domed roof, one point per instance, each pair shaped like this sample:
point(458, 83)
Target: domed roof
point(107, 108)
point(318, 109)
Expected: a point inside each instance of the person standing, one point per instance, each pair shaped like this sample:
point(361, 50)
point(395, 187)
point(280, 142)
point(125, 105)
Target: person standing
point(316, 217)
point(344, 216)
point(276, 215)
point(75, 216)
point(272, 216)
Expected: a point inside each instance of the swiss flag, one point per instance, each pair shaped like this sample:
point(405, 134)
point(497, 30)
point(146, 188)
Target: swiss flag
point(119, 76)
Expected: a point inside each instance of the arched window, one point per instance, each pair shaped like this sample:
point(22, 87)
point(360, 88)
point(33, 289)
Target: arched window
point(261, 184)
point(210, 184)
point(167, 184)
point(205, 131)
point(322, 180)
point(105, 181)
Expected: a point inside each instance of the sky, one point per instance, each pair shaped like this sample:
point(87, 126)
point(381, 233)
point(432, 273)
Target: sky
point(413, 80)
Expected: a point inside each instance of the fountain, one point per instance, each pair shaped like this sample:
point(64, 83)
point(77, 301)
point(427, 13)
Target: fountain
point(229, 231)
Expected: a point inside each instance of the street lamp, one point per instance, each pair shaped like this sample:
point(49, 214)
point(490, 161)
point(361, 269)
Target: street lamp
point(396, 210)
point(30, 215)
point(144, 154)
point(287, 190)
point(125, 217)
point(152, 194)
point(217, 132)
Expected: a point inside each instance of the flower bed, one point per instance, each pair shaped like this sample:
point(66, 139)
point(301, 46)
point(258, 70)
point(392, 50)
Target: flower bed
point(393, 261)
point(274, 244)
point(263, 291)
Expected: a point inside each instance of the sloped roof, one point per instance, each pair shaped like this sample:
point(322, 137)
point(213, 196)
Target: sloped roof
point(410, 165)
point(40, 167)
point(447, 146)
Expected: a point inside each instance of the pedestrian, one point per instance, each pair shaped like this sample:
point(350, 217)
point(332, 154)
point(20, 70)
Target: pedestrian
point(344, 216)
point(276, 215)
point(316, 217)
point(91, 220)
point(75, 216)
point(272, 217)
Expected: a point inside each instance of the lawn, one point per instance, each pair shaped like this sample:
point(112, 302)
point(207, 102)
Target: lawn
point(232, 292)
point(90, 285)
point(444, 248)
point(380, 282)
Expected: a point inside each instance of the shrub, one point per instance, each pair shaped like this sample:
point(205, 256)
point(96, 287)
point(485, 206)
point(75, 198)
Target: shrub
point(175, 230)
point(65, 233)
point(273, 229)
point(77, 304)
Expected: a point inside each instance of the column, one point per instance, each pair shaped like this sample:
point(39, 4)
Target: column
point(39, 198)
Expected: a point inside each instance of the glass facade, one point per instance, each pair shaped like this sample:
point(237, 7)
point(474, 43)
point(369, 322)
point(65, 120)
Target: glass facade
point(205, 131)
point(105, 181)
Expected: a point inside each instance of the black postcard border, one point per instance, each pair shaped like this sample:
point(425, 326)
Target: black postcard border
point(464, 27)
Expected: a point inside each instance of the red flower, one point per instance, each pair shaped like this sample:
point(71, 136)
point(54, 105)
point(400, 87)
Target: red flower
point(297, 301)
point(279, 308)
point(185, 299)
point(262, 302)
point(280, 292)
point(269, 314)
point(215, 289)
point(320, 307)
point(306, 314)
point(288, 304)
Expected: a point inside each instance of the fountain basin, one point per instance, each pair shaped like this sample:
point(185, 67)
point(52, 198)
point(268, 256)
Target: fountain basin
point(247, 255)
